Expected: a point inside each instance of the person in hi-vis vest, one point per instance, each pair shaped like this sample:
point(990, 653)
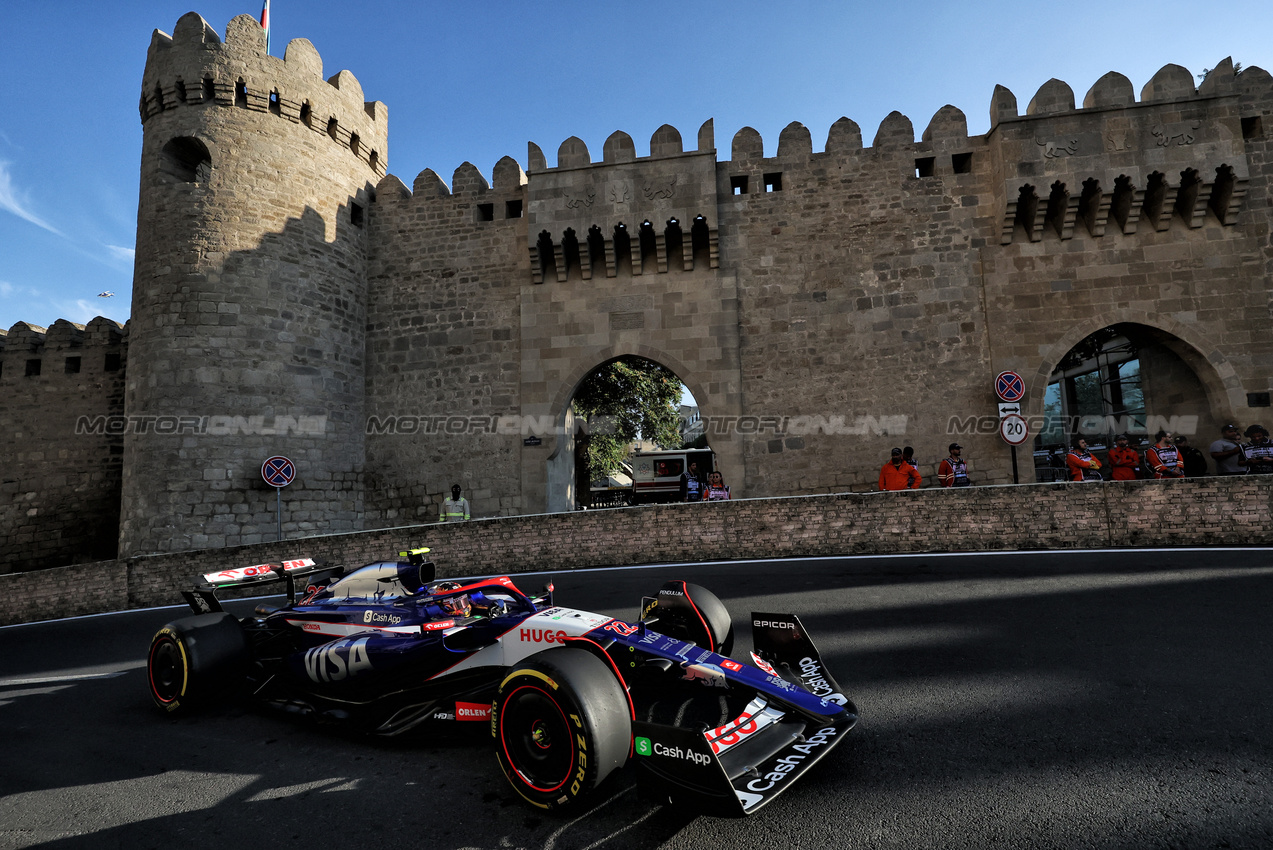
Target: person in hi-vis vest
point(456, 508)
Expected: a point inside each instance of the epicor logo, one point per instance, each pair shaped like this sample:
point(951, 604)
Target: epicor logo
point(774, 624)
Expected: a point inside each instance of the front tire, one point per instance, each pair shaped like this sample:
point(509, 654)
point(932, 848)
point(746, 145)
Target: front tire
point(196, 660)
point(562, 725)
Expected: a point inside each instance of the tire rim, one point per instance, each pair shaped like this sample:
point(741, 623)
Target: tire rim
point(536, 739)
point(167, 670)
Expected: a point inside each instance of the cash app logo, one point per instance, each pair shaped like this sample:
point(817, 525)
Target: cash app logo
point(643, 746)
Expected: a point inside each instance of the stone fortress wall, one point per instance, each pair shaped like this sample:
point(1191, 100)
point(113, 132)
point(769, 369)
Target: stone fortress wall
point(822, 306)
point(59, 489)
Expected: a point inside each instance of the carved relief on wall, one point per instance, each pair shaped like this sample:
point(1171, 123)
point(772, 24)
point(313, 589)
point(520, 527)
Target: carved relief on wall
point(1116, 132)
point(1058, 147)
point(660, 190)
point(575, 201)
point(619, 192)
point(1180, 133)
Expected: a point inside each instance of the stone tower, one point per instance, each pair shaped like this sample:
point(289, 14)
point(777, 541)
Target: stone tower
point(249, 298)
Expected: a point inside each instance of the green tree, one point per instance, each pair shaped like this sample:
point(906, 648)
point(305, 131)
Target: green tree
point(622, 400)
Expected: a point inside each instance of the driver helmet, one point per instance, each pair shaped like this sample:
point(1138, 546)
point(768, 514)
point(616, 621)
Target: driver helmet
point(457, 606)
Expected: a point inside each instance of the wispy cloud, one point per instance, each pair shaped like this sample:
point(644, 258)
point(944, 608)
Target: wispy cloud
point(121, 253)
point(16, 203)
point(8, 290)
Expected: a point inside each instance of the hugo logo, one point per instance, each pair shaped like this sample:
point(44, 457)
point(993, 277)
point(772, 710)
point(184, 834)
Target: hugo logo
point(541, 635)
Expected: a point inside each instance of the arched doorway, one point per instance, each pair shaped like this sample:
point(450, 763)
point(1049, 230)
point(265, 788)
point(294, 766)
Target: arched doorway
point(1126, 378)
point(626, 406)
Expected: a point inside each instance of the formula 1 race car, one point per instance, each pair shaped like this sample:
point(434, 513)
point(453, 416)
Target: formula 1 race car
point(569, 696)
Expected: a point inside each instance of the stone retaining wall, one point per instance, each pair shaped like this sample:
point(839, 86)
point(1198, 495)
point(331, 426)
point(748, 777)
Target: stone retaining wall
point(1196, 512)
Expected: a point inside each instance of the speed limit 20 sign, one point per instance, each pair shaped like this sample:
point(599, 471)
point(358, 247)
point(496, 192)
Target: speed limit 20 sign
point(1013, 429)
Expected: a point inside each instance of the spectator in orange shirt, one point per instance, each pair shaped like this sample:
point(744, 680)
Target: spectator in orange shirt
point(1163, 458)
point(953, 471)
point(1124, 461)
point(1083, 467)
point(897, 474)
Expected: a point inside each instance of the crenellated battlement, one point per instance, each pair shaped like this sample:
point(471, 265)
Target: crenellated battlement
point(30, 351)
point(194, 68)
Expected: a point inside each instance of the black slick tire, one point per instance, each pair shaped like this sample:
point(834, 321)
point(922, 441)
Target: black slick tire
point(195, 661)
point(561, 724)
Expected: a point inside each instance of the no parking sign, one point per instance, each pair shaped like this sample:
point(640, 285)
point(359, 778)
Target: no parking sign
point(278, 472)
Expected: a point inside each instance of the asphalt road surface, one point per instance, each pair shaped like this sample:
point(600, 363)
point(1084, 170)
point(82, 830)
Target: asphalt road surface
point(1052, 700)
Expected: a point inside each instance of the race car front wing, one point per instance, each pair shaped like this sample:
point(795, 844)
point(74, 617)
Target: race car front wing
point(736, 768)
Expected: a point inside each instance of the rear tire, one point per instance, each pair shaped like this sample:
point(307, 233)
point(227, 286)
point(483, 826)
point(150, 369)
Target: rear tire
point(195, 661)
point(562, 725)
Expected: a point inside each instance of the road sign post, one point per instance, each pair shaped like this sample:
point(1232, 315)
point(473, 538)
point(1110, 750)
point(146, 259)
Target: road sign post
point(1010, 388)
point(278, 472)
point(1014, 430)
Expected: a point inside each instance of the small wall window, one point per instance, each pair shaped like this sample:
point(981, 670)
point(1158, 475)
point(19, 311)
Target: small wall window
point(374, 161)
point(187, 159)
point(485, 212)
point(773, 182)
point(33, 368)
point(738, 185)
point(112, 362)
point(924, 166)
point(240, 93)
point(356, 214)
point(1252, 127)
point(333, 129)
point(276, 105)
point(513, 209)
point(72, 365)
point(181, 91)
point(1257, 399)
point(962, 163)
point(355, 144)
point(307, 116)
point(209, 90)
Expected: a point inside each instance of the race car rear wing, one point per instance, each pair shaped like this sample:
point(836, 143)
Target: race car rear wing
point(203, 598)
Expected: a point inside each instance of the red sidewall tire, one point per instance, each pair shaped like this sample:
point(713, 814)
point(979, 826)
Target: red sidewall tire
point(196, 661)
point(561, 726)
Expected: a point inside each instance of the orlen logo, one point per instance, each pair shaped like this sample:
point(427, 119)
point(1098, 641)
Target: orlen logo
point(473, 711)
point(771, 624)
point(729, 664)
point(438, 626)
point(541, 636)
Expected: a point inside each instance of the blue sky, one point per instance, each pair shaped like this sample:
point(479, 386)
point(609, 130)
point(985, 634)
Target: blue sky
point(475, 81)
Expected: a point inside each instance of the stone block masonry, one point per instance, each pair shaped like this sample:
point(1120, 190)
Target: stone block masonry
point(822, 306)
point(1191, 512)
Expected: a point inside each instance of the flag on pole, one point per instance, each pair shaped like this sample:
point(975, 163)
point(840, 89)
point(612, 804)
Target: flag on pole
point(265, 23)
